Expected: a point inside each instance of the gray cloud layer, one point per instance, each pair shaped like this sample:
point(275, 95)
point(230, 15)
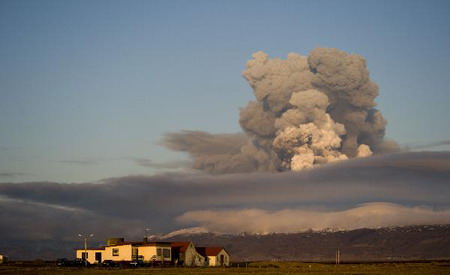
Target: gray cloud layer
point(124, 206)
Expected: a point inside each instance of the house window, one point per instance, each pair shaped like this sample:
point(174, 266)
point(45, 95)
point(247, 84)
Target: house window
point(84, 255)
point(166, 253)
point(158, 252)
point(115, 252)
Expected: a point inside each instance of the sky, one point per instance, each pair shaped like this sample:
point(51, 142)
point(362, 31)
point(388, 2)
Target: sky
point(118, 116)
point(88, 88)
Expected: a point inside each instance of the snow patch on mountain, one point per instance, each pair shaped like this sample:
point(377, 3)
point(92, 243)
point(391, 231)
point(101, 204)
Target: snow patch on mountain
point(183, 232)
point(196, 231)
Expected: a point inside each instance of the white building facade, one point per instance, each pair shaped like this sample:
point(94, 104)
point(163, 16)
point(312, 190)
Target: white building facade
point(128, 251)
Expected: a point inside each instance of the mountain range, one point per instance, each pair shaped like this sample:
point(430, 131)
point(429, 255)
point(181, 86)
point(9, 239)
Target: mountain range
point(408, 243)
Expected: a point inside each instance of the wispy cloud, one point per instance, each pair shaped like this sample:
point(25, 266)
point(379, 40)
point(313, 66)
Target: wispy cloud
point(11, 174)
point(430, 145)
point(180, 164)
point(83, 162)
point(7, 148)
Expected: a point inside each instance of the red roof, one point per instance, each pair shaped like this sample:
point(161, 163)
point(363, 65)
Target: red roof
point(142, 243)
point(182, 245)
point(209, 251)
point(92, 248)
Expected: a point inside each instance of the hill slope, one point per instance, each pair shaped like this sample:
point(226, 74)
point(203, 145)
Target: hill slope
point(400, 243)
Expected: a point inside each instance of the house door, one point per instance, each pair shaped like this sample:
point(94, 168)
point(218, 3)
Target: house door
point(98, 257)
point(134, 254)
point(221, 260)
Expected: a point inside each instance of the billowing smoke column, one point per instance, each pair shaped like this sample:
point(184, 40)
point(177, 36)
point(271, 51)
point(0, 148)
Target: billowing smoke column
point(312, 110)
point(309, 110)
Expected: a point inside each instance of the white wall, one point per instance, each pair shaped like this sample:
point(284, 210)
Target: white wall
point(192, 258)
point(215, 260)
point(124, 253)
point(150, 253)
point(91, 255)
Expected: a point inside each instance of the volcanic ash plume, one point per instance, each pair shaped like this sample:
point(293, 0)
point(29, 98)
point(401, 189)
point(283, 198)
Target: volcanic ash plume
point(308, 110)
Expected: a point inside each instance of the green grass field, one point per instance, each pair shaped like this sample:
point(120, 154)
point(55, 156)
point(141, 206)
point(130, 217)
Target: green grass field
point(253, 268)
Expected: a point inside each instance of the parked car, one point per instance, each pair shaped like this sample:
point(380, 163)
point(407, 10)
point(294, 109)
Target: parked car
point(81, 262)
point(137, 263)
point(109, 263)
point(64, 262)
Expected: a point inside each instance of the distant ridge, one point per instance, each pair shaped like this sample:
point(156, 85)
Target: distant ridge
point(368, 244)
point(202, 230)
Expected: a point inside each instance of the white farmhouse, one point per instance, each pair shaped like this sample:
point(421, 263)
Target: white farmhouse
point(178, 253)
point(184, 253)
point(215, 256)
point(128, 251)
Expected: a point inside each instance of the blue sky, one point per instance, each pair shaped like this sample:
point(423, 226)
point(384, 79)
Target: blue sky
point(86, 86)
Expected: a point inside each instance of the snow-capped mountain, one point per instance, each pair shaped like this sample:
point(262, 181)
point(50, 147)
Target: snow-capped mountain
point(375, 244)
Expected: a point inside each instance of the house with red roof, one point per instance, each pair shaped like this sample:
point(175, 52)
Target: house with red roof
point(177, 253)
point(214, 256)
point(185, 253)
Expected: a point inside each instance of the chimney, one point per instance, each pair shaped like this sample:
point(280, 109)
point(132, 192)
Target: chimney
point(114, 241)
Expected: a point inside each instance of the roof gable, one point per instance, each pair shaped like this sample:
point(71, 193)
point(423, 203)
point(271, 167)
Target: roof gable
point(91, 248)
point(142, 244)
point(209, 251)
point(183, 246)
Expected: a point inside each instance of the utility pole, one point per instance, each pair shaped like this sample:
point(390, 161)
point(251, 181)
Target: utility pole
point(85, 247)
point(338, 257)
point(146, 234)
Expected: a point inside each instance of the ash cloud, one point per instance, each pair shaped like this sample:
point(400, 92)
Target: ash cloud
point(215, 154)
point(308, 110)
point(128, 205)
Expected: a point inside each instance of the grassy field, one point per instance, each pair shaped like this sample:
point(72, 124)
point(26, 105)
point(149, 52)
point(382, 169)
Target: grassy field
point(253, 268)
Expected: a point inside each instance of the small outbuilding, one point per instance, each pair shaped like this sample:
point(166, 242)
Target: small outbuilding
point(215, 256)
point(185, 253)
